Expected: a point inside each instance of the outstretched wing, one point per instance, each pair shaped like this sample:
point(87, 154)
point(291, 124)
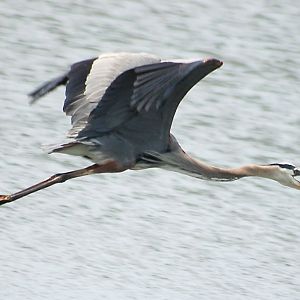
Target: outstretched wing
point(85, 89)
point(137, 91)
point(87, 81)
point(140, 103)
point(133, 94)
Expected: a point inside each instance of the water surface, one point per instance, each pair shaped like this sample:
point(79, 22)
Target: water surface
point(153, 234)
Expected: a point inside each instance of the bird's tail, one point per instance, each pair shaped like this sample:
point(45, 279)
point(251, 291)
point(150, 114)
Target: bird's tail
point(52, 148)
point(47, 87)
point(71, 148)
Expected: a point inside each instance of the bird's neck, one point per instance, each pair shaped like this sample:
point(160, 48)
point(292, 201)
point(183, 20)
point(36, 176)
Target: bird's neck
point(185, 164)
point(199, 169)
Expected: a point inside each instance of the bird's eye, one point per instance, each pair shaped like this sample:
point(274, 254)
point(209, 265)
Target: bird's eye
point(296, 172)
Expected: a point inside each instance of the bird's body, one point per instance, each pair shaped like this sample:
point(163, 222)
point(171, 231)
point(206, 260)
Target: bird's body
point(122, 106)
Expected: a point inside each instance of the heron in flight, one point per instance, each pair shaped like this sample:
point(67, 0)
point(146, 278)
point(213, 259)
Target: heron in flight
point(122, 107)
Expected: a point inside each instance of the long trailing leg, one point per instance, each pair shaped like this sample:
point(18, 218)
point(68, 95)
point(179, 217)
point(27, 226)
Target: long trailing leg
point(110, 166)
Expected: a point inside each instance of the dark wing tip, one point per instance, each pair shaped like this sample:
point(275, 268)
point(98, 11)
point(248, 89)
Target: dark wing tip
point(47, 87)
point(216, 63)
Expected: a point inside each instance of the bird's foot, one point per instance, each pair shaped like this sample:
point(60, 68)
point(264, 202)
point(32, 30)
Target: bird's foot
point(4, 199)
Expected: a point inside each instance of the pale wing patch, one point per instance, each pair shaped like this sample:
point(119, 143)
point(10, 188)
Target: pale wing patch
point(105, 69)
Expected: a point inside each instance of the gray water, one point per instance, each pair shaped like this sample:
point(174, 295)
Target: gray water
point(153, 234)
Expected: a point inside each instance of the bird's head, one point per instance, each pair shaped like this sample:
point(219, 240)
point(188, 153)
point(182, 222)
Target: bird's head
point(286, 174)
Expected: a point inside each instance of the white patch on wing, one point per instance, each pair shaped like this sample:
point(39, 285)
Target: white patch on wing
point(107, 67)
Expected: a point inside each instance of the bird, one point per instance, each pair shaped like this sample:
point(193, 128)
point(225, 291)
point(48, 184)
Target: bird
point(122, 107)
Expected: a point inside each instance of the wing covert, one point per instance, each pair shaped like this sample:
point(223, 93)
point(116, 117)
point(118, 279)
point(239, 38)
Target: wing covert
point(140, 103)
point(89, 80)
point(138, 91)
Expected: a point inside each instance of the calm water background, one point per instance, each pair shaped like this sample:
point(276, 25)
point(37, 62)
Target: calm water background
point(154, 234)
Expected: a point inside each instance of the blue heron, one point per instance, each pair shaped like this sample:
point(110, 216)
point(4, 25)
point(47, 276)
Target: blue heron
point(122, 106)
